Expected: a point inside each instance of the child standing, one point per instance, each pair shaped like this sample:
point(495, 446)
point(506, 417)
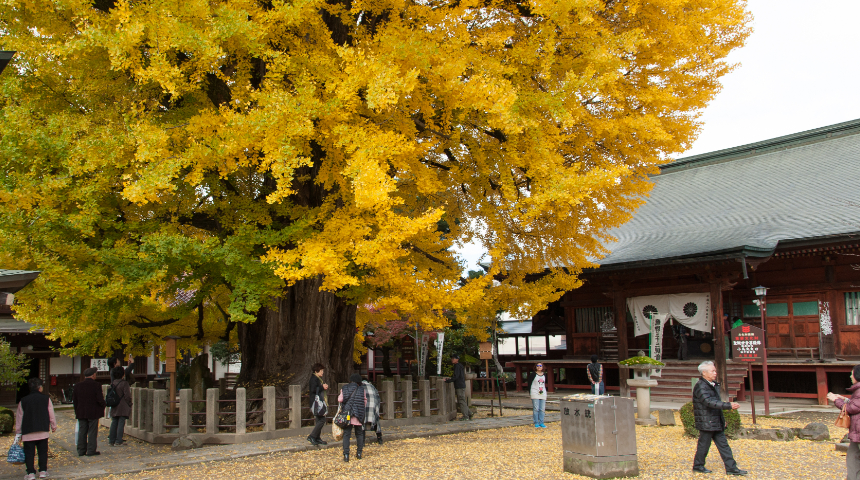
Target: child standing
point(537, 392)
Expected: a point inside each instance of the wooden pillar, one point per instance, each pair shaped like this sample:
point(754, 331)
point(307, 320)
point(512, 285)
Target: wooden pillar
point(619, 307)
point(716, 293)
point(518, 377)
point(550, 382)
point(570, 324)
point(821, 380)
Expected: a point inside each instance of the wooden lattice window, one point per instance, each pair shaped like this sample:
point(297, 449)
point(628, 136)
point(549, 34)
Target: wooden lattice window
point(589, 320)
point(852, 308)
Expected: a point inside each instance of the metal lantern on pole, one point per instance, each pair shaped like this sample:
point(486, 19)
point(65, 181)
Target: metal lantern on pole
point(760, 293)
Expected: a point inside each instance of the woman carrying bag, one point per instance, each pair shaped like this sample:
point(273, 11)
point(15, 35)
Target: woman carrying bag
point(35, 421)
point(353, 398)
point(319, 404)
point(537, 392)
point(851, 407)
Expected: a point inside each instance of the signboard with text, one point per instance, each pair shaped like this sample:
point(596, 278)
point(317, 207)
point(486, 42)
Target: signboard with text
point(407, 348)
point(100, 363)
point(747, 343)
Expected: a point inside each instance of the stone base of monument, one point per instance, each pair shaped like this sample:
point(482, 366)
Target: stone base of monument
point(601, 467)
point(643, 400)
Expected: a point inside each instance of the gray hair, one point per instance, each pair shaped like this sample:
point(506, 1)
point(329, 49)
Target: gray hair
point(704, 365)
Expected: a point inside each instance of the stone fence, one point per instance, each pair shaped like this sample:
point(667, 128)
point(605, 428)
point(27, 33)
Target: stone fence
point(404, 402)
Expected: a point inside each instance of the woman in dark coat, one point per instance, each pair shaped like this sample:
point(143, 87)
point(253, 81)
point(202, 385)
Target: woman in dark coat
point(120, 413)
point(353, 396)
point(317, 390)
point(852, 408)
point(34, 421)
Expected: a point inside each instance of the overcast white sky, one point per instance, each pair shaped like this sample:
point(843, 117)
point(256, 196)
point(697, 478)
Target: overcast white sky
point(800, 70)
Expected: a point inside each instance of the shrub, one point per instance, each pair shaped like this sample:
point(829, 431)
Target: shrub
point(733, 419)
point(7, 420)
point(641, 360)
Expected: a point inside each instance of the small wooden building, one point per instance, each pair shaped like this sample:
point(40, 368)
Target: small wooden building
point(782, 213)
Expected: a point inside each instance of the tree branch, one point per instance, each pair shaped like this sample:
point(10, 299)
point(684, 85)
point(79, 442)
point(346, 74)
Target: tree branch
point(151, 324)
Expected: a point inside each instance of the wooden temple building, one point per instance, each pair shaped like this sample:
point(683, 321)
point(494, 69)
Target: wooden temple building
point(782, 213)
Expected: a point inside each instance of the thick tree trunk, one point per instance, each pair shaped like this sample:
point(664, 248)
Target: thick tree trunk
point(304, 327)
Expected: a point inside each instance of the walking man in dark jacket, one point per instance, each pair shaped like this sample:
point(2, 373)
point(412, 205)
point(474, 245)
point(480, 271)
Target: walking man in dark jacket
point(89, 404)
point(710, 422)
point(459, 380)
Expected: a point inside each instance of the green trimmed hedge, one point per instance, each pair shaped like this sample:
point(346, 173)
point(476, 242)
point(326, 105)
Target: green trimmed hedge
point(733, 419)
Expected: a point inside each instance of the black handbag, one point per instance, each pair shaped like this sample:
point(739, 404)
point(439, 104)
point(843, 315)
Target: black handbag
point(344, 415)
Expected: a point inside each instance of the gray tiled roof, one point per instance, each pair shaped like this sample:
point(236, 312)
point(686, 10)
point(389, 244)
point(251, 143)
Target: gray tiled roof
point(748, 199)
point(4, 273)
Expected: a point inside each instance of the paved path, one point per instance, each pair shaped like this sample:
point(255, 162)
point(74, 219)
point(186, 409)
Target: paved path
point(139, 456)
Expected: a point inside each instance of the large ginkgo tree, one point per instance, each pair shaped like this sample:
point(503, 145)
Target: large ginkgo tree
point(287, 170)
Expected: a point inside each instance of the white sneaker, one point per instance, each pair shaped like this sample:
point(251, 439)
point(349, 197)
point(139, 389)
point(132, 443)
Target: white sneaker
point(43, 474)
point(30, 476)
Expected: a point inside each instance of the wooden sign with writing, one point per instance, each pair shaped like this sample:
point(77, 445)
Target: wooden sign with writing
point(170, 348)
point(170, 366)
point(485, 349)
point(747, 343)
point(407, 348)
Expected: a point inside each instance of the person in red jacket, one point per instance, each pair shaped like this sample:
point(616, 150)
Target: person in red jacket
point(90, 405)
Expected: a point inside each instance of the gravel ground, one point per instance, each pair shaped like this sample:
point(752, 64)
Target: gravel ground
point(528, 453)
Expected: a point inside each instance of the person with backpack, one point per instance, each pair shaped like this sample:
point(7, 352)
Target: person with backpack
point(353, 399)
point(118, 398)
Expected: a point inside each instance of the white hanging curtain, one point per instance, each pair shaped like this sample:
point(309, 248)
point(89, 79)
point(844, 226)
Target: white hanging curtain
point(693, 310)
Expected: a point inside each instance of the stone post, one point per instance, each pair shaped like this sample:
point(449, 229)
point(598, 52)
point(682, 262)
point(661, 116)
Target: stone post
point(145, 408)
point(424, 395)
point(211, 411)
point(132, 419)
point(406, 386)
point(158, 407)
point(469, 378)
point(148, 403)
point(388, 399)
point(269, 407)
point(241, 408)
point(439, 385)
point(295, 406)
point(452, 400)
point(185, 411)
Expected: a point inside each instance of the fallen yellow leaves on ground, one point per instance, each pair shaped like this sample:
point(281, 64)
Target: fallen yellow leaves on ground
point(528, 453)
